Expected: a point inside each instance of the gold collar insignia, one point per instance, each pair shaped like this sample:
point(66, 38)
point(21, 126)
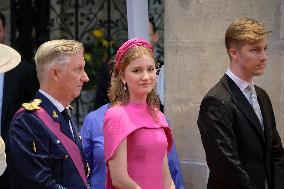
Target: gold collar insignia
point(54, 114)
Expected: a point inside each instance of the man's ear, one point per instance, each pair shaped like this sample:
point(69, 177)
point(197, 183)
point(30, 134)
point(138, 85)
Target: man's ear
point(54, 73)
point(234, 53)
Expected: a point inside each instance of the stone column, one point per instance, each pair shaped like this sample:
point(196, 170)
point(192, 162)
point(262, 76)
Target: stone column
point(195, 60)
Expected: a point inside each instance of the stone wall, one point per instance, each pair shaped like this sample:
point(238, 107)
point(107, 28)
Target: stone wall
point(195, 59)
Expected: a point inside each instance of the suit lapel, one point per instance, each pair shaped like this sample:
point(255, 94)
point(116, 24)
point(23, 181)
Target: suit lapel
point(265, 115)
point(242, 103)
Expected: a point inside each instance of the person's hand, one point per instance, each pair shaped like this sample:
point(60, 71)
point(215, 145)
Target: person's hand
point(3, 164)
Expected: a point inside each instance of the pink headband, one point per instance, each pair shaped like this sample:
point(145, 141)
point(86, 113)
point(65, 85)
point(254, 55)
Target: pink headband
point(128, 45)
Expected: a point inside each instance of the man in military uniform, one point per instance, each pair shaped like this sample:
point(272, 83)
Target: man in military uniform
point(44, 147)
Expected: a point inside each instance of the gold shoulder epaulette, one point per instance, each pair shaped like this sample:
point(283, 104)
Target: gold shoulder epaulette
point(33, 105)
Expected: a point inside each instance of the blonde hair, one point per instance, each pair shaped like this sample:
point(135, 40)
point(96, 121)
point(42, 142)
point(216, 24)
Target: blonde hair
point(116, 93)
point(54, 52)
point(245, 30)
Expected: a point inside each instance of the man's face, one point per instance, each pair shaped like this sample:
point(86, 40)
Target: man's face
point(73, 76)
point(251, 59)
point(2, 32)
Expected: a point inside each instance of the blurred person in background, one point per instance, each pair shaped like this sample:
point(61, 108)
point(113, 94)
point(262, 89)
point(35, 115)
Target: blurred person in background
point(9, 59)
point(17, 86)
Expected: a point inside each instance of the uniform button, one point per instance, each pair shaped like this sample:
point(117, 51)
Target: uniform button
point(66, 156)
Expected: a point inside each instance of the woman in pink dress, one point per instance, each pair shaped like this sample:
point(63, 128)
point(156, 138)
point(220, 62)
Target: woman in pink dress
point(137, 136)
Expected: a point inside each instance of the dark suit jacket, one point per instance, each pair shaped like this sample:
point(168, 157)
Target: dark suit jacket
point(20, 85)
point(49, 166)
point(238, 152)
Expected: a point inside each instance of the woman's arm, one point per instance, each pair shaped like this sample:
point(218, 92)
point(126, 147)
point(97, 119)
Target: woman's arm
point(118, 168)
point(168, 182)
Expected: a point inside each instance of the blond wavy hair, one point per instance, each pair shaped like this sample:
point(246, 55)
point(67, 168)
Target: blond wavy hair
point(54, 52)
point(244, 30)
point(117, 94)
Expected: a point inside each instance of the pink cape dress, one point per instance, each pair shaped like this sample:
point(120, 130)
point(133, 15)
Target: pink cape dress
point(147, 143)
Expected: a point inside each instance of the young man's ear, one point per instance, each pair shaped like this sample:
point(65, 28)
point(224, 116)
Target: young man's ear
point(234, 54)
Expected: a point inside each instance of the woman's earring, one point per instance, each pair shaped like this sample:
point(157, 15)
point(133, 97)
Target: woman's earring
point(124, 85)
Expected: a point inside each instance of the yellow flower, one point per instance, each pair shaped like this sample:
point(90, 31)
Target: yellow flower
point(88, 57)
point(105, 43)
point(98, 33)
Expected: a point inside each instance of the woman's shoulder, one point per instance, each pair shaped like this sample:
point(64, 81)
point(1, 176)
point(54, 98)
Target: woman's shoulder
point(115, 111)
point(159, 113)
point(162, 118)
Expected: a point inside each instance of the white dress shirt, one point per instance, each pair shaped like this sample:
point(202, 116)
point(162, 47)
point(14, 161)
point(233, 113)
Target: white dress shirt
point(240, 83)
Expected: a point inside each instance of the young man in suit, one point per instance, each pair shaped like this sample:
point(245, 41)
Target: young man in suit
point(236, 119)
point(44, 146)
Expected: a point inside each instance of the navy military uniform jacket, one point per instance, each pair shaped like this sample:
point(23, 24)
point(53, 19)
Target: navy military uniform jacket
point(37, 159)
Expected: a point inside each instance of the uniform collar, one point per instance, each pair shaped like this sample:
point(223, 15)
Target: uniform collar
point(49, 106)
point(57, 104)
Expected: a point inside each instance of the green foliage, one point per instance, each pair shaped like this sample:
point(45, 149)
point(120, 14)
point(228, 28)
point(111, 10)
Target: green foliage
point(96, 53)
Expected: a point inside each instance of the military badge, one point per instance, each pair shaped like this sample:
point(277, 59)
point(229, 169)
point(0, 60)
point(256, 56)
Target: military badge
point(87, 169)
point(60, 187)
point(33, 105)
point(54, 114)
point(79, 136)
point(34, 147)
